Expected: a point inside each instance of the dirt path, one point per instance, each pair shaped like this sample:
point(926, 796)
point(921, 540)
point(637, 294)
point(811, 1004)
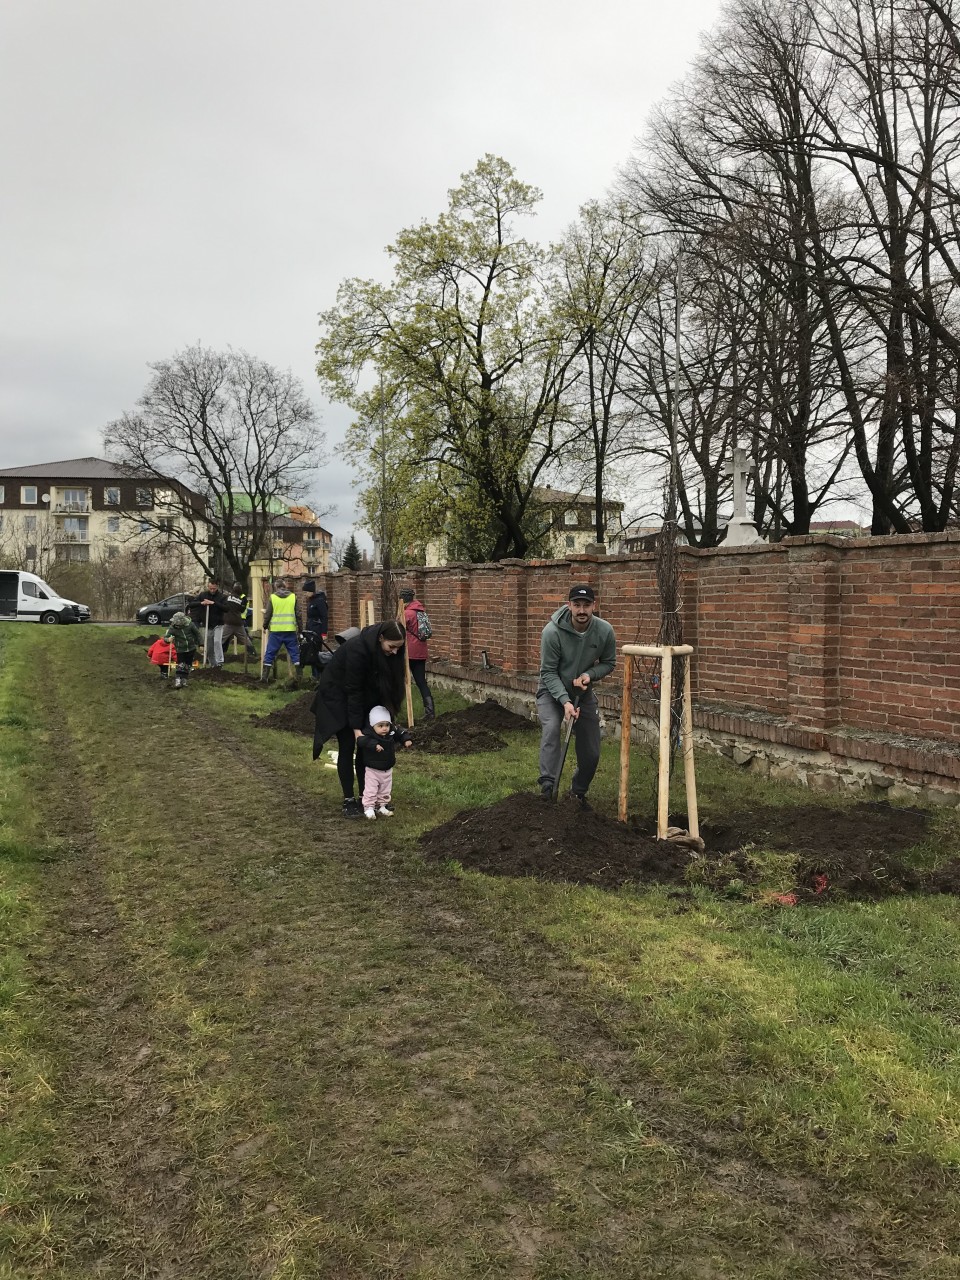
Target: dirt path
point(287, 1054)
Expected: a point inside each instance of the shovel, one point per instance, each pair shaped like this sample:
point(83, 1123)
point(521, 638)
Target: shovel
point(566, 746)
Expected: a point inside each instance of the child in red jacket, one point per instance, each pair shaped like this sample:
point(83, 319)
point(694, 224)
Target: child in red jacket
point(162, 654)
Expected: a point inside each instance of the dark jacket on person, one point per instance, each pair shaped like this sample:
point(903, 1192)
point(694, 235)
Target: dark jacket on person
point(387, 758)
point(186, 636)
point(352, 685)
point(318, 615)
point(234, 609)
point(217, 600)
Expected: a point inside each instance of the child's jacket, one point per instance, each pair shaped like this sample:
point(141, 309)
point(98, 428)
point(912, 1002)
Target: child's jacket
point(161, 653)
point(387, 758)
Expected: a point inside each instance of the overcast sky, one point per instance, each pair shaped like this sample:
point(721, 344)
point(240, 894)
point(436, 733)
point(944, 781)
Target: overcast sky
point(209, 170)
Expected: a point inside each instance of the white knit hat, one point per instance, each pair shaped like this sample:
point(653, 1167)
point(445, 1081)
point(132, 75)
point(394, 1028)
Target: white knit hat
point(379, 715)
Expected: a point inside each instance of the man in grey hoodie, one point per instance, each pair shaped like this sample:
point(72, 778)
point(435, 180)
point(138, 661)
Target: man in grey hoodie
point(576, 650)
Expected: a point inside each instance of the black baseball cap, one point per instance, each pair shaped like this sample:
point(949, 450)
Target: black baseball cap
point(583, 592)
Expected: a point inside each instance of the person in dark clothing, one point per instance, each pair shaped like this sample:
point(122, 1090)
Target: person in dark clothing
point(417, 651)
point(234, 616)
point(377, 747)
point(315, 631)
point(211, 601)
point(368, 670)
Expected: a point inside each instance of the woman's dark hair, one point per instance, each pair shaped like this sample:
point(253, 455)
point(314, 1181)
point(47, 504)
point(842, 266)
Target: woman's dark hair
point(390, 666)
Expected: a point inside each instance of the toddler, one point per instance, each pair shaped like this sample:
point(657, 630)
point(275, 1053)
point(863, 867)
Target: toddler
point(186, 639)
point(377, 747)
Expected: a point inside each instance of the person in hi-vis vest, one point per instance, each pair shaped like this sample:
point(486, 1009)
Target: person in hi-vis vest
point(283, 624)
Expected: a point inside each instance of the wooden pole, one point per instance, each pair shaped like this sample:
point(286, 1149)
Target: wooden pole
point(689, 774)
point(663, 778)
point(408, 691)
point(626, 722)
point(206, 634)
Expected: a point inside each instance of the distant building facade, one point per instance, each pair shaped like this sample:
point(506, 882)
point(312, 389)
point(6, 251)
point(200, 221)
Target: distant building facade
point(88, 509)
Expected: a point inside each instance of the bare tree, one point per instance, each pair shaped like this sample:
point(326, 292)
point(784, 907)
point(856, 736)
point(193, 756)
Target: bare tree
point(230, 428)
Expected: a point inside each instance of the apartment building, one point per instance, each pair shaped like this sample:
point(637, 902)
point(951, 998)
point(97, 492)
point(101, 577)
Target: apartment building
point(84, 509)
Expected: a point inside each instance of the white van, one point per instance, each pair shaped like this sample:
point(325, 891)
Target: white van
point(26, 598)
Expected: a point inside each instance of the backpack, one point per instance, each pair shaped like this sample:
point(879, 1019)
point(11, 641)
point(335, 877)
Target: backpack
point(424, 629)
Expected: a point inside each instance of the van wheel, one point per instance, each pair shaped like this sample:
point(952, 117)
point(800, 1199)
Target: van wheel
point(51, 619)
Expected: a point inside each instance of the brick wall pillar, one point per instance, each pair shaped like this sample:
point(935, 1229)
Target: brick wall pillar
point(813, 692)
point(514, 604)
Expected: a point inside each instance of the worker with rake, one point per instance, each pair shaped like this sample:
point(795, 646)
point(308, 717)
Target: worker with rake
point(576, 650)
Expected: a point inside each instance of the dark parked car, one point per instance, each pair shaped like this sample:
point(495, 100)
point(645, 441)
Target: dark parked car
point(163, 610)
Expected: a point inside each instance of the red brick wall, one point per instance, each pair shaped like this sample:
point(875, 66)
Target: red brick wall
point(824, 633)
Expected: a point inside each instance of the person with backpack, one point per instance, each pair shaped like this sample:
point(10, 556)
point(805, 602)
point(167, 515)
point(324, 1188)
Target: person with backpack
point(419, 632)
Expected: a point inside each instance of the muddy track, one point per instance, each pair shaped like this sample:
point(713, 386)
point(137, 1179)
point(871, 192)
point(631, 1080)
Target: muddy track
point(804, 1216)
point(116, 1118)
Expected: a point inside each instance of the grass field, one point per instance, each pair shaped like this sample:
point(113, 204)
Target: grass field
point(244, 1038)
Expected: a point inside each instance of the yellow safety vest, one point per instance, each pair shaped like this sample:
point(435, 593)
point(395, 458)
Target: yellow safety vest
point(284, 615)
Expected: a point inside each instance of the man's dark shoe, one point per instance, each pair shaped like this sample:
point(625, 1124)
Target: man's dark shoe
point(582, 802)
point(546, 790)
point(351, 808)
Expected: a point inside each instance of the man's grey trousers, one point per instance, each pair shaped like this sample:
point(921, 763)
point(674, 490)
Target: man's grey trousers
point(586, 734)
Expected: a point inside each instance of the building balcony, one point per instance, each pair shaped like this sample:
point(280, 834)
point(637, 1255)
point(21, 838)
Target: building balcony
point(71, 535)
point(69, 508)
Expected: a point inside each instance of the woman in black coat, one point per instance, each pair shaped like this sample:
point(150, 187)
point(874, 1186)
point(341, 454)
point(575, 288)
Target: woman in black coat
point(366, 672)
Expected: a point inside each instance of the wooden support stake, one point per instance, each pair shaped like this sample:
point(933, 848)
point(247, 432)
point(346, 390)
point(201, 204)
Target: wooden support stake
point(663, 777)
point(402, 619)
point(689, 773)
point(626, 721)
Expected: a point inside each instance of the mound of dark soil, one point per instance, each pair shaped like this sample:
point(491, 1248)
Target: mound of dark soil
point(459, 733)
point(145, 640)
point(474, 729)
point(295, 717)
point(843, 853)
point(208, 675)
point(525, 835)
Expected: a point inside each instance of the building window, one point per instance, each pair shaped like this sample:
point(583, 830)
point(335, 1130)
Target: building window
point(30, 524)
point(2, 494)
point(166, 497)
point(75, 499)
point(165, 524)
point(571, 540)
point(113, 524)
point(79, 554)
point(144, 497)
point(144, 526)
point(112, 551)
point(571, 517)
point(76, 529)
point(28, 493)
point(111, 497)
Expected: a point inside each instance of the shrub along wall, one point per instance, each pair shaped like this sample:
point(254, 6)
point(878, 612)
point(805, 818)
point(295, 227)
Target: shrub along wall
point(840, 656)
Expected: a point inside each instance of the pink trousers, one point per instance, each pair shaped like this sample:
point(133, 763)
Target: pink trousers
point(377, 786)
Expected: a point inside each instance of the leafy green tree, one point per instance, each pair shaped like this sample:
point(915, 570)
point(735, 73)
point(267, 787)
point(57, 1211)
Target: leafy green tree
point(472, 360)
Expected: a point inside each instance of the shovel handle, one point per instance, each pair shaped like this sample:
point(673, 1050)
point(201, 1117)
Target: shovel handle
point(568, 734)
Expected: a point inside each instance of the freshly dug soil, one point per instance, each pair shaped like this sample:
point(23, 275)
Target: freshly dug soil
point(474, 729)
point(209, 676)
point(144, 640)
point(465, 732)
point(525, 835)
point(857, 850)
